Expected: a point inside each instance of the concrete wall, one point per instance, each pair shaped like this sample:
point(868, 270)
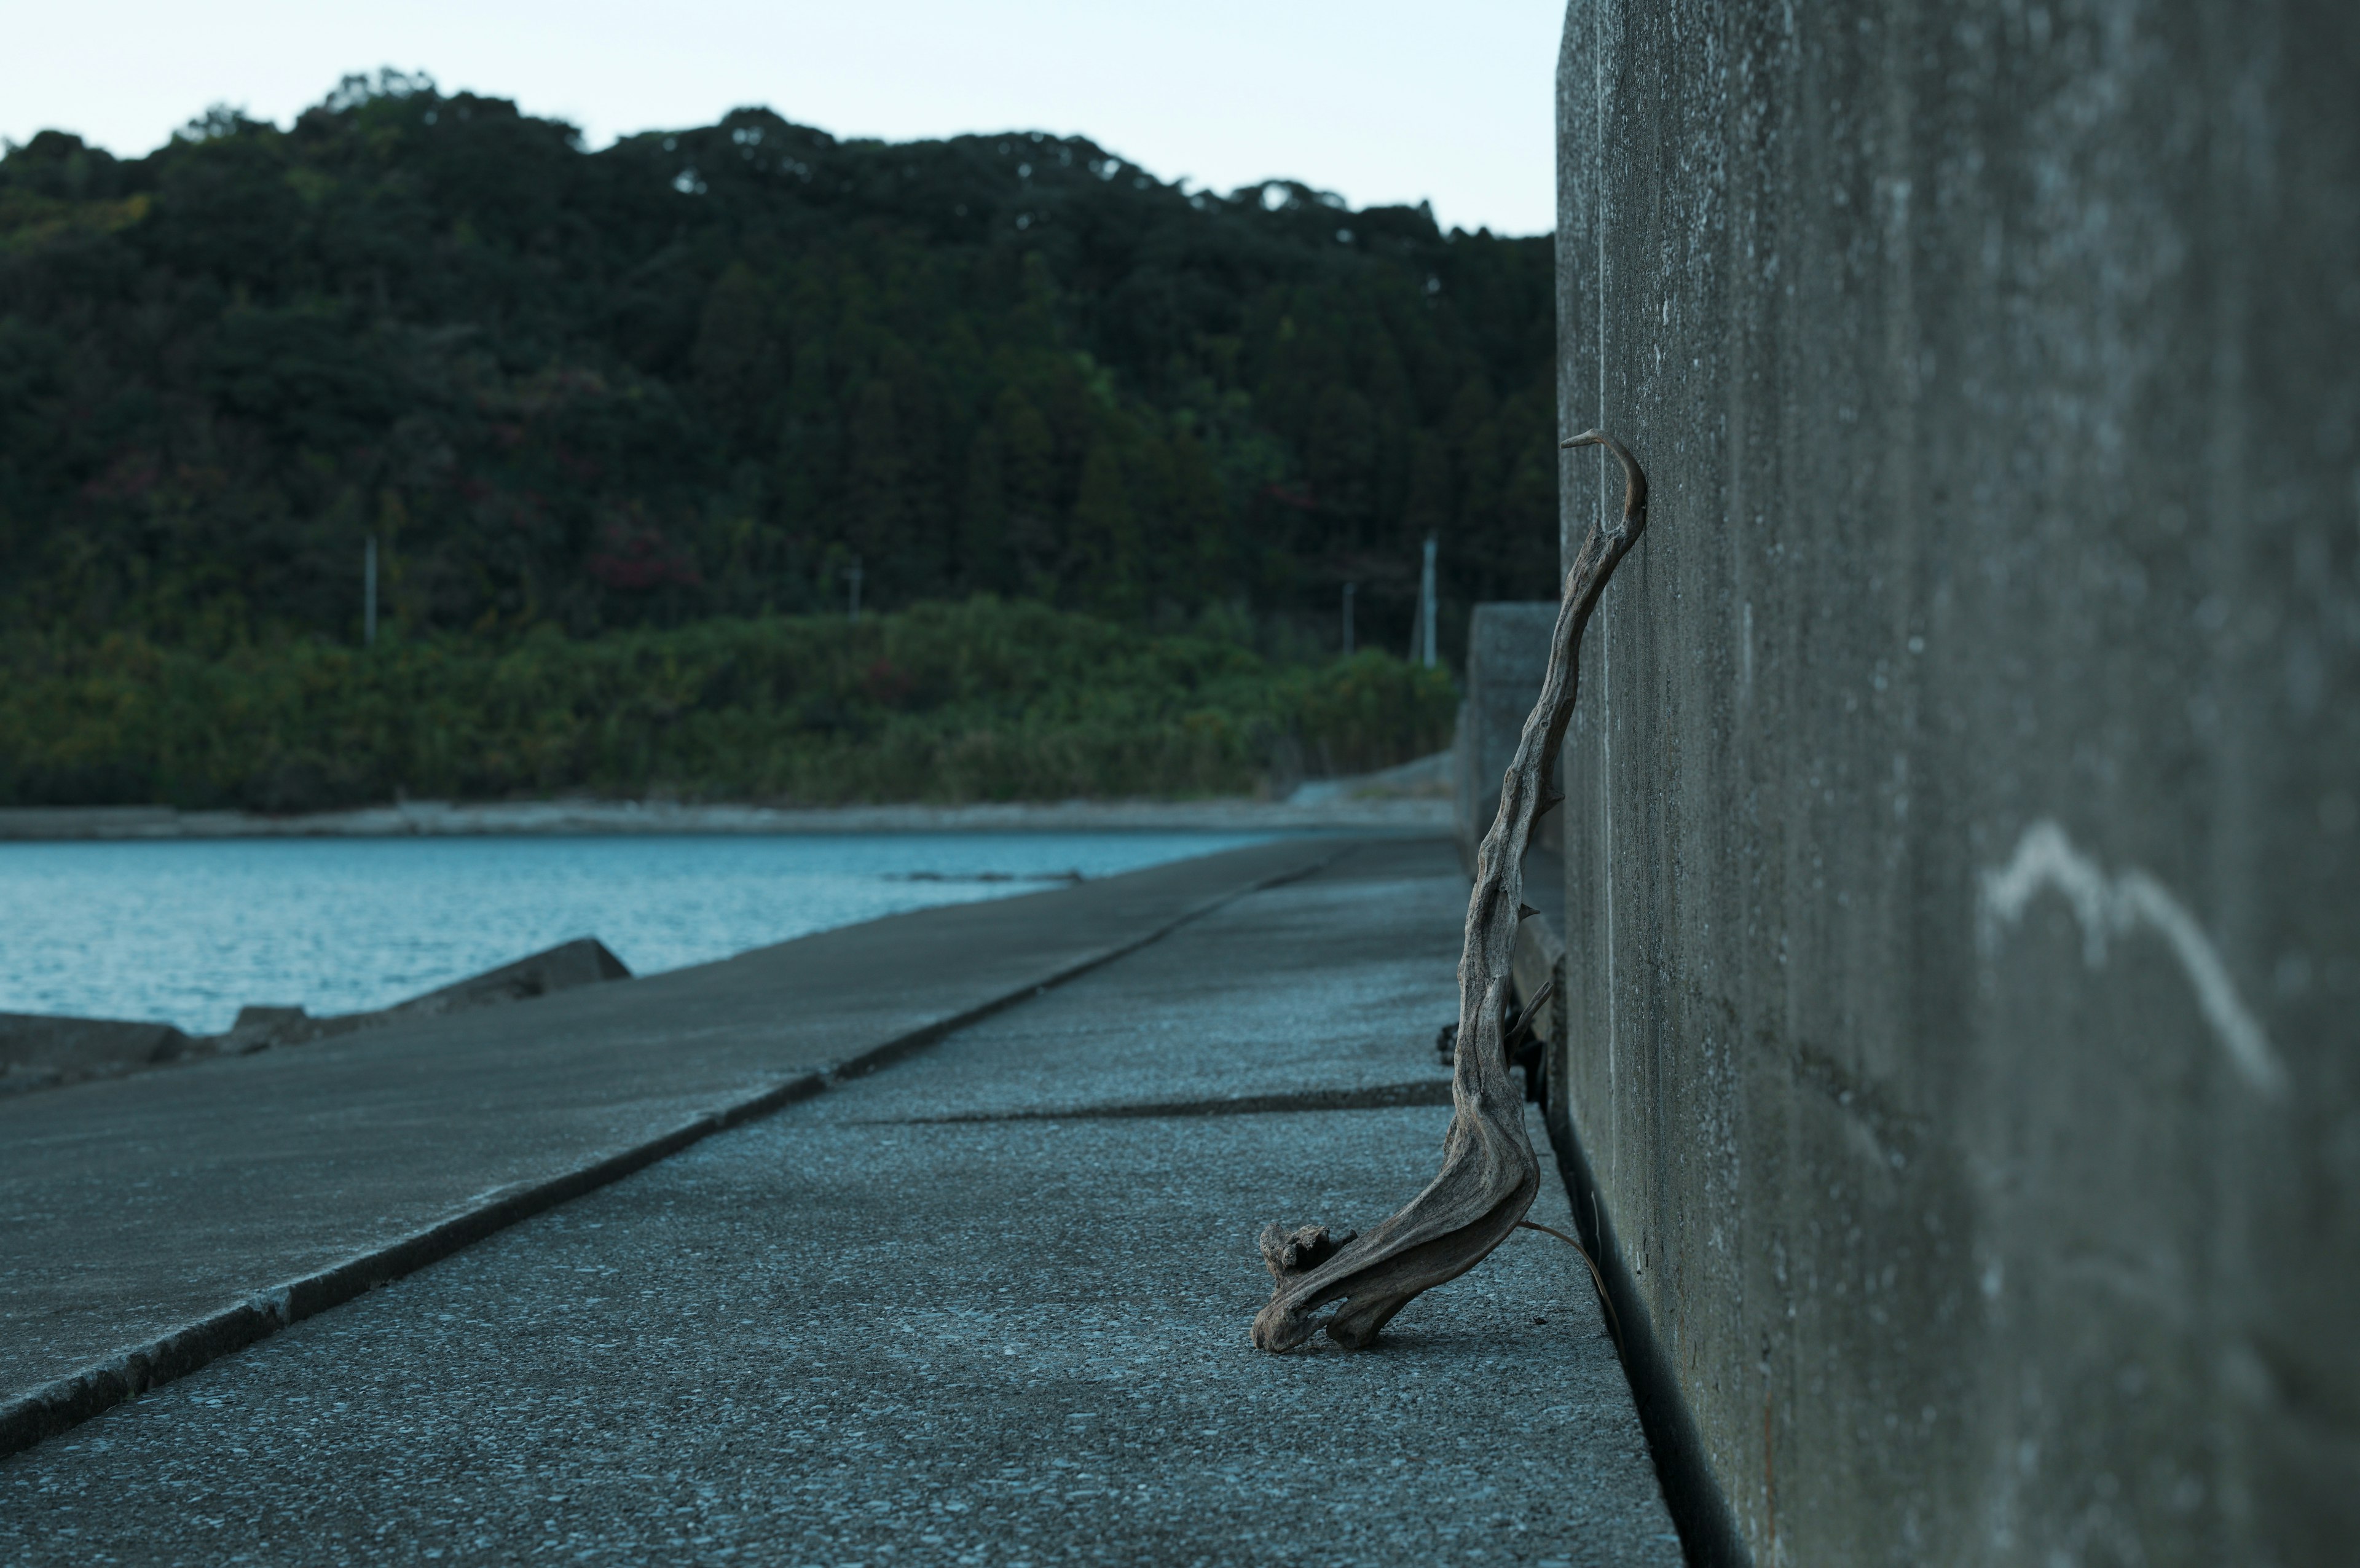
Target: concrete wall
point(1507, 658)
point(1960, 851)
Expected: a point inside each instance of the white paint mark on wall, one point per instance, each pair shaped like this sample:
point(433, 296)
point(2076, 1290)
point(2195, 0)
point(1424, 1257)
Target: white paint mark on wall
point(2115, 907)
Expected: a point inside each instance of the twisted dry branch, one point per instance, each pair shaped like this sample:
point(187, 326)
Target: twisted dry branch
point(1489, 1176)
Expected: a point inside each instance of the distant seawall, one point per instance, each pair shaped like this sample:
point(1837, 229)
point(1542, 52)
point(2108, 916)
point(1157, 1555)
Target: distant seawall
point(1962, 843)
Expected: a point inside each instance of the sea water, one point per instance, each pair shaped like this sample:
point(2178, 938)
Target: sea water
point(187, 931)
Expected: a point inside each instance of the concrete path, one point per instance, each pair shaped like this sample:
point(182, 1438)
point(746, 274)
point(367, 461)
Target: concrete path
point(150, 1223)
point(985, 1307)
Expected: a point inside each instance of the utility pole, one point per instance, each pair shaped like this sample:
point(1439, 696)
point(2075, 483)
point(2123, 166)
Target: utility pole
point(1425, 602)
point(1348, 618)
point(852, 575)
point(369, 594)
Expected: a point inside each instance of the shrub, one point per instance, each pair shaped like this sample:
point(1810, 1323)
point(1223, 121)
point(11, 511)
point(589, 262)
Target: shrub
point(980, 701)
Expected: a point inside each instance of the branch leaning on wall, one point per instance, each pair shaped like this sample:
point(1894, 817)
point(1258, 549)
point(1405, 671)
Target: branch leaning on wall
point(1489, 1176)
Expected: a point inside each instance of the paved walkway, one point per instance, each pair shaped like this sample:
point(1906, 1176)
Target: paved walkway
point(135, 1208)
point(976, 1308)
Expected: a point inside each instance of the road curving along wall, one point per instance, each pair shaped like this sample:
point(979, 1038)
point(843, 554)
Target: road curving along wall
point(1962, 841)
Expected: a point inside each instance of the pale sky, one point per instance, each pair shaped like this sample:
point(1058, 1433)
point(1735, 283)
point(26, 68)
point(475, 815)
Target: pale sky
point(1380, 100)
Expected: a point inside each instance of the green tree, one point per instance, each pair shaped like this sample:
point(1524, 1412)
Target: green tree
point(665, 379)
point(1105, 537)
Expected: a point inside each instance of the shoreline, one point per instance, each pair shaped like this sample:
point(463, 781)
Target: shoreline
point(1327, 808)
point(1414, 798)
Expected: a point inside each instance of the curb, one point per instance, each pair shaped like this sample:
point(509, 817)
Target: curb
point(69, 1401)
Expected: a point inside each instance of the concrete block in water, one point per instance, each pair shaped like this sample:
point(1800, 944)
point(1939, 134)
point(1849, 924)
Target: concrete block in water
point(40, 1051)
point(43, 1052)
point(585, 961)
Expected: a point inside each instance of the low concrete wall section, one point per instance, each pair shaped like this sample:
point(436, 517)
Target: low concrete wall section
point(1507, 656)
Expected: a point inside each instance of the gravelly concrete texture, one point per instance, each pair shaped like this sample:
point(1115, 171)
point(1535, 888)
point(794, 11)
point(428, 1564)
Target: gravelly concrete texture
point(131, 1207)
point(845, 1335)
point(1963, 812)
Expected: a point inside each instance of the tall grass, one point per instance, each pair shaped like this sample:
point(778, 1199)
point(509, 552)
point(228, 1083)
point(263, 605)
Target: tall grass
point(980, 701)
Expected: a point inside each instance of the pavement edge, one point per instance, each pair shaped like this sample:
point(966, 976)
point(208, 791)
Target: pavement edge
point(60, 1406)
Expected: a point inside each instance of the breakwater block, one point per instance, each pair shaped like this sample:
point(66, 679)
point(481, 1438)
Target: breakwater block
point(585, 961)
point(38, 1051)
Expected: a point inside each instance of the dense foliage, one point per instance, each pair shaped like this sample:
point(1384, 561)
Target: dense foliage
point(981, 701)
point(704, 372)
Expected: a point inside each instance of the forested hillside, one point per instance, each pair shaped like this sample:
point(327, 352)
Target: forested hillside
point(702, 373)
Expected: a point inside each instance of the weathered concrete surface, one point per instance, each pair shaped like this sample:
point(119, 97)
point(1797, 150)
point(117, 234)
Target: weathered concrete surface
point(585, 961)
point(852, 1333)
point(1961, 850)
point(131, 1208)
point(1507, 658)
point(40, 1051)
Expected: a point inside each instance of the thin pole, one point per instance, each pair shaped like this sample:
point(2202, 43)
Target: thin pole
point(852, 574)
point(1425, 600)
point(369, 594)
point(1348, 619)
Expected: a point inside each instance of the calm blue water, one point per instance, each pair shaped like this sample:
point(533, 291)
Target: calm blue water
point(188, 932)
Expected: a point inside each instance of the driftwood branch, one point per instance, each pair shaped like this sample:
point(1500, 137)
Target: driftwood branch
point(1489, 1176)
